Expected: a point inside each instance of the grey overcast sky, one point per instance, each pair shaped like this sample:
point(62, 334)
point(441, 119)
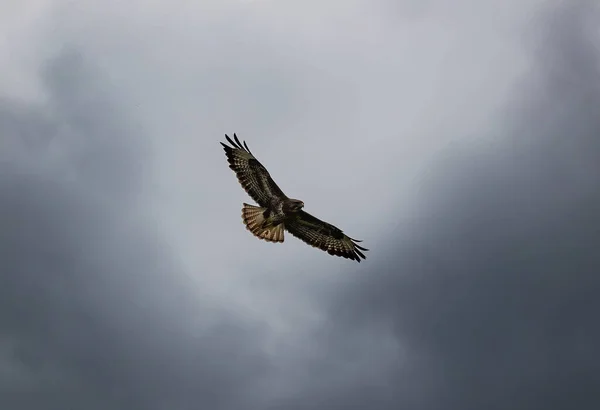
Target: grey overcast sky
point(459, 139)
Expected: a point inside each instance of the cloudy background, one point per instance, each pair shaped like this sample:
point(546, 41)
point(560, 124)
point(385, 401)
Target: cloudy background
point(459, 141)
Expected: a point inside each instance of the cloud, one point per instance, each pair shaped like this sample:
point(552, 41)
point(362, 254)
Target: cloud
point(96, 310)
point(487, 298)
point(127, 281)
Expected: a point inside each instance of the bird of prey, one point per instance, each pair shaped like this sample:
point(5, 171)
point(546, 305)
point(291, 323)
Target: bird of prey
point(278, 212)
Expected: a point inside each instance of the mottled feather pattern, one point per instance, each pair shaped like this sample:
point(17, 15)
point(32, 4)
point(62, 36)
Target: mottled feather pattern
point(251, 174)
point(324, 236)
point(257, 182)
point(252, 216)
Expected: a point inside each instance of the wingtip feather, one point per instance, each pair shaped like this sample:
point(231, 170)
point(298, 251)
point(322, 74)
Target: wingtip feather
point(230, 140)
point(247, 149)
point(239, 144)
point(359, 253)
point(235, 143)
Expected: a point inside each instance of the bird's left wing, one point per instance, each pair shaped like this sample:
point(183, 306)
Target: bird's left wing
point(253, 176)
point(324, 236)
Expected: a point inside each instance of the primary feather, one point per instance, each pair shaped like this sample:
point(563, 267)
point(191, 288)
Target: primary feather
point(253, 176)
point(278, 212)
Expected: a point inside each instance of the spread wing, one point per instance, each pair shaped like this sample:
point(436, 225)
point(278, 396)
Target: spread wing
point(324, 236)
point(253, 176)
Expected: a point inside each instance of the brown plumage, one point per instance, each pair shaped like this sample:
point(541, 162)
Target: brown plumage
point(277, 212)
point(253, 219)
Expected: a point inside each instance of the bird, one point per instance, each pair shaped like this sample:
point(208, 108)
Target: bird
point(276, 212)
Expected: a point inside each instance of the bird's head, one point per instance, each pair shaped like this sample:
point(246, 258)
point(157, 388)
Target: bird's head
point(294, 205)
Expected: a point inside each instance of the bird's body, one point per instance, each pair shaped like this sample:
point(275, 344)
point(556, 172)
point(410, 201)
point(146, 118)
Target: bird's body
point(277, 212)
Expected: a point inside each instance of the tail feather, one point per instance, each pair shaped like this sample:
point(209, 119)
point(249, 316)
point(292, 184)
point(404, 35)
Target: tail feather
point(253, 217)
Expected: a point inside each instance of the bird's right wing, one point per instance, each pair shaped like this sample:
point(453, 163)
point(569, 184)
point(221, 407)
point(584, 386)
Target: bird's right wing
point(253, 176)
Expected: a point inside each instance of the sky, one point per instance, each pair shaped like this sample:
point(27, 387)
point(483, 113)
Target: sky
point(458, 141)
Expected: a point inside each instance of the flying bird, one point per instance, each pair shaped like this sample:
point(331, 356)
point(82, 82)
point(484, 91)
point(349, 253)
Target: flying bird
point(276, 212)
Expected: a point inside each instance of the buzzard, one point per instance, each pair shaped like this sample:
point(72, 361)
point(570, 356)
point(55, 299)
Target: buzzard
point(278, 212)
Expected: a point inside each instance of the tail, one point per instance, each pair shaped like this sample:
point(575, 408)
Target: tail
point(253, 217)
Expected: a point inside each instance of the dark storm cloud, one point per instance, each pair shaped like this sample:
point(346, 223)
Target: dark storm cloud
point(95, 312)
point(487, 299)
point(491, 292)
